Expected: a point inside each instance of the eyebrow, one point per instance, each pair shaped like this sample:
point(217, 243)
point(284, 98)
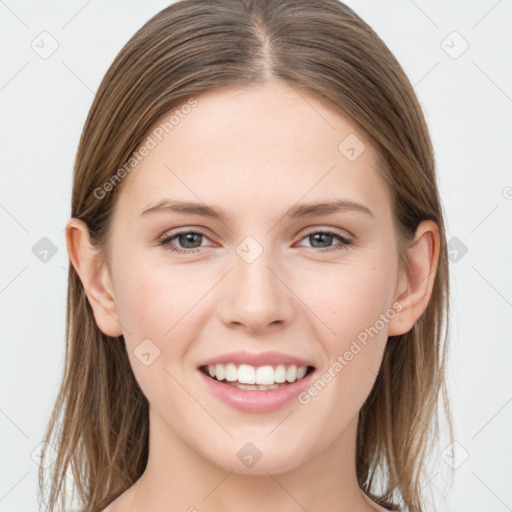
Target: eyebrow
point(295, 211)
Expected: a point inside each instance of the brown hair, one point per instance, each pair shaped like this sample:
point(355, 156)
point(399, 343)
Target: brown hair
point(323, 49)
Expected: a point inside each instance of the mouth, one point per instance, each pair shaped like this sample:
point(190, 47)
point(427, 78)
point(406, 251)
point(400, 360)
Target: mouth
point(256, 378)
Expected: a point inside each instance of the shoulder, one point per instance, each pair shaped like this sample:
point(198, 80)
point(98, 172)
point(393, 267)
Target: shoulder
point(376, 506)
point(104, 504)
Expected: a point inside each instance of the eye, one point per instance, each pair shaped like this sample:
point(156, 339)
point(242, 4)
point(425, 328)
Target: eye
point(325, 238)
point(191, 241)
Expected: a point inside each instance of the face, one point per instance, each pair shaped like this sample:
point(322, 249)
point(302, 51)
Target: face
point(260, 273)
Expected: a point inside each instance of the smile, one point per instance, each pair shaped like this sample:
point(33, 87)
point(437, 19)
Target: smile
point(247, 391)
point(262, 378)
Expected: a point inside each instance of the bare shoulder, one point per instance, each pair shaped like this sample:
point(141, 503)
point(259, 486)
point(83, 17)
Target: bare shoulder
point(376, 506)
point(122, 502)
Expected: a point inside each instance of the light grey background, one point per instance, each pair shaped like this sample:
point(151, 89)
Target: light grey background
point(468, 105)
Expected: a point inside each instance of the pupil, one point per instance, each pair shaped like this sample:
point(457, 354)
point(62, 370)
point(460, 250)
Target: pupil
point(188, 239)
point(319, 235)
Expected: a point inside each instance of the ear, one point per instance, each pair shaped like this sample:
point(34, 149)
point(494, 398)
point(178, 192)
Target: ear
point(94, 274)
point(414, 288)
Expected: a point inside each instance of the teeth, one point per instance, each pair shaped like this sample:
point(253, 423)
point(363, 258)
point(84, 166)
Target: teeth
point(259, 387)
point(301, 371)
point(231, 372)
point(253, 376)
point(280, 374)
point(291, 374)
point(220, 371)
point(246, 375)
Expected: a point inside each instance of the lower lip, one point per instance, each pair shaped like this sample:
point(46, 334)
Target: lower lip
point(254, 400)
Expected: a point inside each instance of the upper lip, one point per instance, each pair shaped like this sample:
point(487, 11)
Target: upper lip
point(256, 359)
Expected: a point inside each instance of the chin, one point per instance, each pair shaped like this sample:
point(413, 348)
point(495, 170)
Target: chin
point(249, 459)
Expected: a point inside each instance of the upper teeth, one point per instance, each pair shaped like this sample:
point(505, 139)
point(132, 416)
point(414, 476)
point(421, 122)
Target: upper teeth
point(247, 374)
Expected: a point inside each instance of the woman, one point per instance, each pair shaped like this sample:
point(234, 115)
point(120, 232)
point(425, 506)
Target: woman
point(259, 278)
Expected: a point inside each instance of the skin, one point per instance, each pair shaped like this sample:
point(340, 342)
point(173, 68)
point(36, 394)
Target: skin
point(254, 153)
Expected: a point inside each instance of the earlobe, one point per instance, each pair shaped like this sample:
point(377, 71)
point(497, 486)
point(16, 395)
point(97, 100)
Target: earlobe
point(415, 286)
point(94, 275)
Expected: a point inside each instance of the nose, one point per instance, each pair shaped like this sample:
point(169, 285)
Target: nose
point(255, 295)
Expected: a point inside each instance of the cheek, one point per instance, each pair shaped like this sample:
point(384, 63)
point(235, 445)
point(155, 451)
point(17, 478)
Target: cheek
point(156, 308)
point(349, 299)
point(156, 300)
point(354, 303)
point(161, 310)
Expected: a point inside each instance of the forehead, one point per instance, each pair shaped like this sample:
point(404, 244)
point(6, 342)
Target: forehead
point(258, 148)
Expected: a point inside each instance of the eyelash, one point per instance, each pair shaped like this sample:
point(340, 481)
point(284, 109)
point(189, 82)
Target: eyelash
point(345, 241)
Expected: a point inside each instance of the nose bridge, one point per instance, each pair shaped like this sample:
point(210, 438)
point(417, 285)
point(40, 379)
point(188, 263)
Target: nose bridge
point(257, 297)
